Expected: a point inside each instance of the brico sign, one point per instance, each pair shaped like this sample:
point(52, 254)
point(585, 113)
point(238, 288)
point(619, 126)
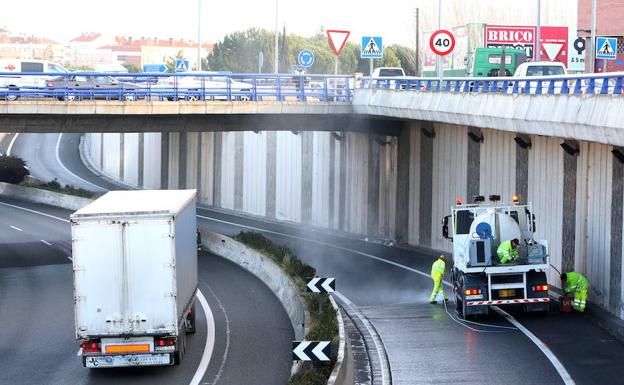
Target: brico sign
point(514, 37)
point(553, 45)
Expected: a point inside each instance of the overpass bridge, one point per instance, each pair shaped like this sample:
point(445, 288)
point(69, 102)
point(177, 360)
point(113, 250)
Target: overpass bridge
point(556, 149)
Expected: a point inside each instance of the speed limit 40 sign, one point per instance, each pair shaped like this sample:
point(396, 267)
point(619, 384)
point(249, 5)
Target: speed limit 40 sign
point(442, 42)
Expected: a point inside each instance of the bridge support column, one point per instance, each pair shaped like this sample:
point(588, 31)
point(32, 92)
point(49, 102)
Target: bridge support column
point(164, 160)
point(373, 184)
point(427, 134)
point(182, 157)
point(332, 181)
point(615, 278)
point(216, 166)
point(122, 150)
point(238, 170)
point(271, 167)
point(402, 185)
point(522, 169)
point(568, 231)
point(473, 169)
point(141, 161)
point(342, 200)
point(307, 166)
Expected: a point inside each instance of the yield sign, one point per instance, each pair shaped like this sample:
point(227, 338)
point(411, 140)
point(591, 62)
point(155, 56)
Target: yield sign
point(552, 50)
point(337, 39)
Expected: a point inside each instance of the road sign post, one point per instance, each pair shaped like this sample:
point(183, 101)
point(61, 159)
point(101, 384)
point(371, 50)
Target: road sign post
point(337, 40)
point(305, 58)
point(371, 48)
point(442, 43)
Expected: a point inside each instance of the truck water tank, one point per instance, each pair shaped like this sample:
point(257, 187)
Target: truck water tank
point(506, 229)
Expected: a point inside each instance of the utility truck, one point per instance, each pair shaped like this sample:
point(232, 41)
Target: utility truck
point(135, 277)
point(479, 279)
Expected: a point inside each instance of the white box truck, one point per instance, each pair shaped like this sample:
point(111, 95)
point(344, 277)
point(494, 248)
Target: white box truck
point(135, 277)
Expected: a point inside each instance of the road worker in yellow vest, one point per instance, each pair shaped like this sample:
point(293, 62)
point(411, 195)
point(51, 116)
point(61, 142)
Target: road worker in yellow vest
point(576, 284)
point(508, 251)
point(437, 272)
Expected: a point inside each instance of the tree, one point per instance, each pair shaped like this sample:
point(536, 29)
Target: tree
point(12, 169)
point(132, 68)
point(170, 63)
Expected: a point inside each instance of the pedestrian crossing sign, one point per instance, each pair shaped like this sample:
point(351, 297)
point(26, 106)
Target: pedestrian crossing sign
point(181, 65)
point(606, 48)
point(372, 47)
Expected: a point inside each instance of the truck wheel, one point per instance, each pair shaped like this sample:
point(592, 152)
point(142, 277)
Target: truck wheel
point(190, 321)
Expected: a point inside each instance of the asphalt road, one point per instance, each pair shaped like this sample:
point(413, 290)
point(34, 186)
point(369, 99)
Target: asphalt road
point(36, 308)
point(425, 344)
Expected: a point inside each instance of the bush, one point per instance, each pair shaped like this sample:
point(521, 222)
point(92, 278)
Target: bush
point(55, 186)
point(12, 169)
point(323, 323)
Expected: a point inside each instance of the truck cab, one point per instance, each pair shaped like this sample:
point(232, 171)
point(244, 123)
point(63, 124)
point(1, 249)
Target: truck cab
point(479, 278)
point(488, 62)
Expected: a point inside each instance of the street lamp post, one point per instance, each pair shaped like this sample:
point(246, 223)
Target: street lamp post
point(276, 37)
point(538, 42)
point(199, 35)
point(592, 40)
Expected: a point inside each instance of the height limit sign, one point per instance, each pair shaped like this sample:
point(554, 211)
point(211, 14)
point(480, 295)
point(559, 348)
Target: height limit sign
point(442, 42)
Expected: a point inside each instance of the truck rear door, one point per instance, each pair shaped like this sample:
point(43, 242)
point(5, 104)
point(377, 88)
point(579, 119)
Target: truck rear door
point(97, 250)
point(150, 265)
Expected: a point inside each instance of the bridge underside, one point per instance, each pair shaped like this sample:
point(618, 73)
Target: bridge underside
point(42, 123)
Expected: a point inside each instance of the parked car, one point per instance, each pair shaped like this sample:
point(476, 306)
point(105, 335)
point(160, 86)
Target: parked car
point(77, 87)
point(14, 86)
point(198, 85)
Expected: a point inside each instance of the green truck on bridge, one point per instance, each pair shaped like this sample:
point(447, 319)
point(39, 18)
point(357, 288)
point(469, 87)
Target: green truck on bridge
point(486, 62)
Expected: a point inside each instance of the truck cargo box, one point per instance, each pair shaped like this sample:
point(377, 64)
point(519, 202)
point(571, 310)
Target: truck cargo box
point(134, 263)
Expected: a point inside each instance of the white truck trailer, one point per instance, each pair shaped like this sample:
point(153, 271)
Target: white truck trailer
point(135, 277)
point(479, 279)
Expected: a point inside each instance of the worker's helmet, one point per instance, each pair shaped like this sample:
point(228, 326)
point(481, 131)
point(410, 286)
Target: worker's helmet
point(515, 242)
point(442, 257)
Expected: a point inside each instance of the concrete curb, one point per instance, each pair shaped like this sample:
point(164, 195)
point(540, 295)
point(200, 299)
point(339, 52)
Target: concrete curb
point(343, 370)
point(46, 197)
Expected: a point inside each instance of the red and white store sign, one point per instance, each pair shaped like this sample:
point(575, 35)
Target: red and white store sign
point(553, 45)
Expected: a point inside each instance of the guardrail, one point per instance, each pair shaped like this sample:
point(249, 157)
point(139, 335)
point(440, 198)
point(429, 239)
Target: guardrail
point(608, 83)
point(76, 86)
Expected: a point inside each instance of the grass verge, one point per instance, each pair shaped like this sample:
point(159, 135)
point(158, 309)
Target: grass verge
point(323, 324)
point(57, 187)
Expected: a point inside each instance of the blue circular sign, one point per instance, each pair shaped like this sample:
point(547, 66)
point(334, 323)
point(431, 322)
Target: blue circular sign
point(305, 58)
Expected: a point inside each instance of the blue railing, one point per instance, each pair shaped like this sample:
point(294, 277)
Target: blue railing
point(77, 86)
point(608, 83)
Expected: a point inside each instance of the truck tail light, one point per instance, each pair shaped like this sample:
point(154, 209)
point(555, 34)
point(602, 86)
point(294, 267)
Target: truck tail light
point(540, 288)
point(165, 341)
point(472, 291)
point(90, 346)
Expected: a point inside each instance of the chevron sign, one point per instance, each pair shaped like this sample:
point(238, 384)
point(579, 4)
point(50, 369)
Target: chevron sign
point(311, 350)
point(322, 285)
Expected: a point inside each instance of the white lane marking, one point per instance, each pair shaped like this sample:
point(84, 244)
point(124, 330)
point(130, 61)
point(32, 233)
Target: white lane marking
point(16, 228)
point(563, 373)
point(46, 242)
point(565, 376)
point(210, 340)
point(227, 336)
point(58, 159)
point(70, 258)
point(210, 333)
point(34, 212)
point(11, 144)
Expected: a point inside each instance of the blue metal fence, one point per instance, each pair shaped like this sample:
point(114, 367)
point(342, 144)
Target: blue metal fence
point(76, 86)
point(608, 83)
point(186, 86)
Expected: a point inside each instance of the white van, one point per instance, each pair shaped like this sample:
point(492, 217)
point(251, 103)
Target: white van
point(9, 83)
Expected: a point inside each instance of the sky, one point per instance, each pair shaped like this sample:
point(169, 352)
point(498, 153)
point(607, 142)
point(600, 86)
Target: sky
point(62, 20)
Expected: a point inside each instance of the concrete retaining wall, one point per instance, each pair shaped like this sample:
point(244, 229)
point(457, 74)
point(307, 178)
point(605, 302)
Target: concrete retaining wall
point(399, 188)
point(46, 197)
point(262, 267)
